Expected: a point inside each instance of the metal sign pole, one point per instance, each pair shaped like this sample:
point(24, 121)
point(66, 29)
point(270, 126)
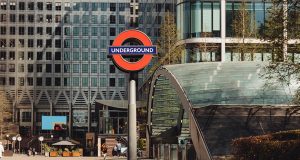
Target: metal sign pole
point(132, 141)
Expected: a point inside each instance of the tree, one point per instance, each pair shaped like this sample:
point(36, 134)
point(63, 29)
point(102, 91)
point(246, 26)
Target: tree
point(244, 26)
point(6, 124)
point(283, 15)
point(169, 52)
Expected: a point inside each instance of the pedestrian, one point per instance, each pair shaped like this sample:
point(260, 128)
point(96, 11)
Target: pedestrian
point(115, 150)
point(104, 150)
point(1, 150)
point(119, 149)
point(33, 151)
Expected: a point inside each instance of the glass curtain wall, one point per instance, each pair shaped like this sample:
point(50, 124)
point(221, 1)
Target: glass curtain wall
point(199, 19)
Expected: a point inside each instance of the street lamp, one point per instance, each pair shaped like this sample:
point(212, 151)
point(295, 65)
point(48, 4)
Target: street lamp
point(51, 136)
point(14, 140)
point(19, 140)
point(41, 139)
point(7, 136)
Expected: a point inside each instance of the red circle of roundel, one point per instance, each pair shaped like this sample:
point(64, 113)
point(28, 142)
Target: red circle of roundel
point(132, 66)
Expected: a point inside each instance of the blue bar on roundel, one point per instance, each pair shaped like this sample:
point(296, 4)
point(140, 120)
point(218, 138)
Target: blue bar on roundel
point(132, 50)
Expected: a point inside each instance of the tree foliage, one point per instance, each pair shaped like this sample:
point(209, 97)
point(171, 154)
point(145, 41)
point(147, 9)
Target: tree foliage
point(6, 125)
point(169, 52)
point(244, 26)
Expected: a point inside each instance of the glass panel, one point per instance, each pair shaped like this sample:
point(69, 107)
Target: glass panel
point(196, 19)
point(207, 19)
point(216, 17)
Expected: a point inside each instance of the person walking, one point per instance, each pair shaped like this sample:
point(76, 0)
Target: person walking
point(119, 149)
point(1, 150)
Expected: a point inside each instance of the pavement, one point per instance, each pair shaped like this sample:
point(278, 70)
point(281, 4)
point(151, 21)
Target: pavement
point(38, 157)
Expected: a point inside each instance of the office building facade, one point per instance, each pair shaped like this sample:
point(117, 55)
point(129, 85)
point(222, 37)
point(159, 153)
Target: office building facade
point(211, 30)
point(54, 58)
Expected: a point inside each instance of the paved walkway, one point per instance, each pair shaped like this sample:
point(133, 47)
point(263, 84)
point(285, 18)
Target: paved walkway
point(38, 157)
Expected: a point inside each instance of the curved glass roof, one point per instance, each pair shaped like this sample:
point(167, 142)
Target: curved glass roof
point(214, 83)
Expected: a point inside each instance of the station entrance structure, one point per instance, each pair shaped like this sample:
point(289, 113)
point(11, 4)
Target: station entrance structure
point(209, 104)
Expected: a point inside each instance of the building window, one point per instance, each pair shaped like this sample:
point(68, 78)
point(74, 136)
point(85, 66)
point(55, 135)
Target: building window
point(85, 31)
point(12, 55)
point(48, 56)
point(26, 116)
point(85, 81)
point(30, 68)
point(12, 30)
point(39, 30)
point(67, 6)
point(2, 17)
point(39, 81)
point(21, 43)
point(12, 18)
point(30, 30)
point(57, 81)
point(94, 31)
point(49, 30)
point(21, 18)
point(30, 5)
point(67, 31)
point(94, 68)
point(48, 81)
point(21, 81)
point(67, 19)
point(112, 7)
point(30, 43)
point(102, 68)
point(39, 68)
point(2, 67)
point(76, 31)
point(29, 81)
point(76, 6)
point(76, 19)
point(39, 56)
point(39, 43)
point(94, 56)
point(21, 68)
point(103, 56)
point(85, 68)
point(21, 5)
point(49, 18)
point(75, 43)
point(94, 82)
point(57, 43)
point(75, 68)
point(121, 19)
point(67, 43)
point(30, 55)
point(57, 18)
point(58, 6)
point(94, 6)
point(85, 43)
point(67, 56)
point(85, 19)
point(30, 18)
point(112, 69)
point(103, 19)
point(21, 30)
point(67, 68)
point(58, 31)
point(49, 6)
point(85, 6)
point(121, 82)
point(112, 31)
point(122, 6)
point(57, 55)
point(94, 43)
point(112, 82)
point(76, 56)
point(85, 56)
point(75, 81)
point(103, 31)
point(57, 68)
point(67, 82)
point(12, 43)
point(11, 67)
point(103, 6)
point(103, 82)
point(2, 81)
point(112, 19)
point(40, 6)
point(21, 55)
point(11, 81)
point(48, 68)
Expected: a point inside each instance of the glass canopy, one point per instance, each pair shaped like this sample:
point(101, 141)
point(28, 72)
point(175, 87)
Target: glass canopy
point(229, 83)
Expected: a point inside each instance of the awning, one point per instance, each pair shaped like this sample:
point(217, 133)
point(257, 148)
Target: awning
point(63, 143)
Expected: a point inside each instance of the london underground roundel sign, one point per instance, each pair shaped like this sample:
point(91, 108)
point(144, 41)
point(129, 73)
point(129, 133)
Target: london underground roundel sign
point(117, 50)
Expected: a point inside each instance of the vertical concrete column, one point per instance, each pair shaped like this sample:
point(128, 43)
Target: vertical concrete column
point(285, 36)
point(99, 147)
point(223, 29)
point(132, 140)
